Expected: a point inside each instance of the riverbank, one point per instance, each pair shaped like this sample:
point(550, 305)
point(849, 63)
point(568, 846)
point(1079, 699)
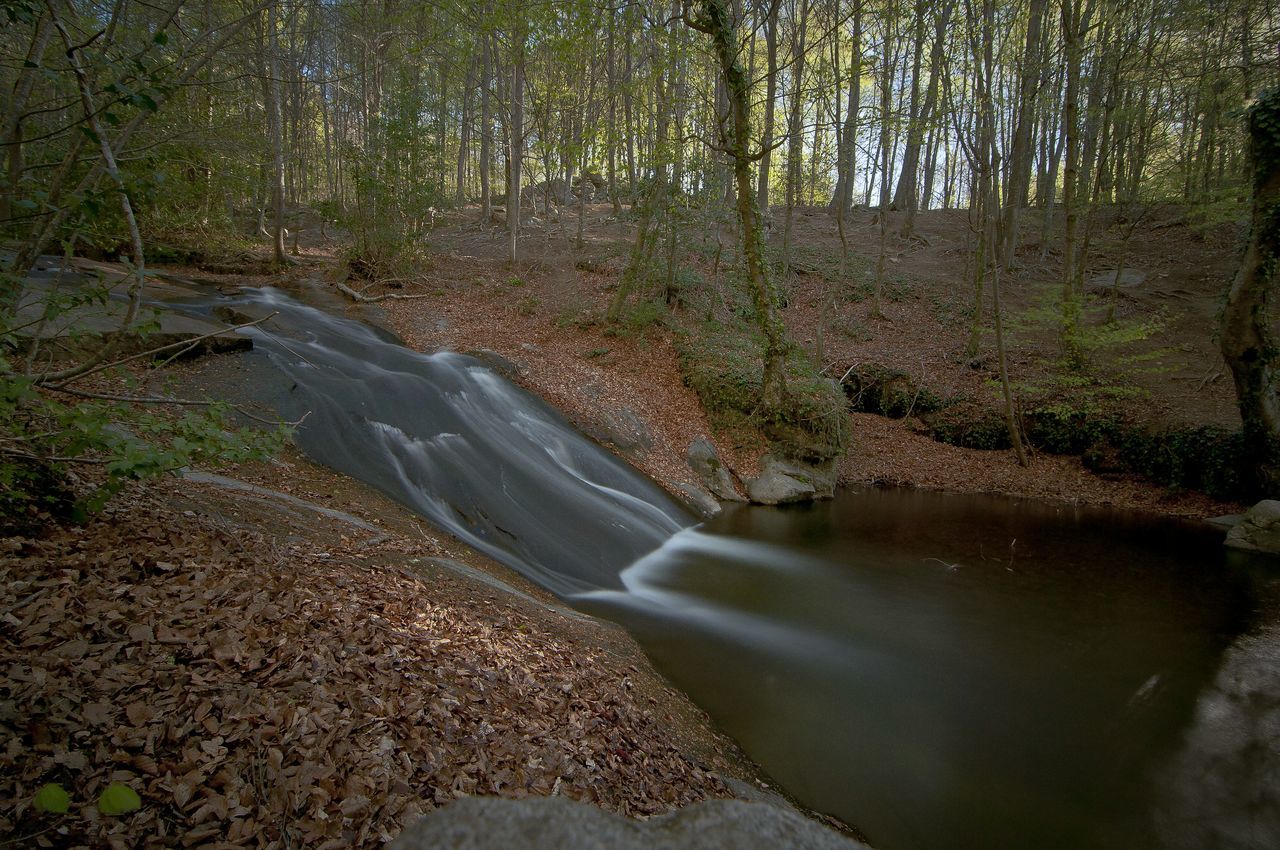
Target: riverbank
point(306, 664)
point(626, 388)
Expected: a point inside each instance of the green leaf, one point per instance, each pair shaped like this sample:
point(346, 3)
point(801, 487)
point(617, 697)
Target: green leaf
point(118, 799)
point(53, 799)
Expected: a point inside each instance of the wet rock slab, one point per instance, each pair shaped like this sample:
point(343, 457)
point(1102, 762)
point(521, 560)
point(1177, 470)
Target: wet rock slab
point(783, 481)
point(94, 306)
point(490, 823)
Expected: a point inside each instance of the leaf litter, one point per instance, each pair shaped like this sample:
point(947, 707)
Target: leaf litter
point(286, 692)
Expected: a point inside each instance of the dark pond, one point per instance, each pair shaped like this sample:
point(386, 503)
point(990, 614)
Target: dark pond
point(957, 671)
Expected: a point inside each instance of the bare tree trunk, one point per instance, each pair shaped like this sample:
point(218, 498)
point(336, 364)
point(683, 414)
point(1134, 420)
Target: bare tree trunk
point(886, 153)
point(633, 182)
point(990, 205)
point(795, 142)
point(611, 142)
point(1020, 152)
point(464, 136)
point(770, 98)
point(486, 132)
point(903, 195)
point(842, 198)
point(908, 182)
point(14, 110)
point(275, 131)
point(516, 133)
point(1074, 25)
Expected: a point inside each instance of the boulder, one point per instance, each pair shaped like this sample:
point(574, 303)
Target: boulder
point(1226, 522)
point(705, 461)
point(699, 500)
point(614, 424)
point(504, 366)
point(782, 481)
point(538, 823)
point(1259, 531)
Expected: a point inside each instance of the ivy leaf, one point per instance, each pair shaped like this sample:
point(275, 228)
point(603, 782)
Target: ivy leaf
point(53, 799)
point(118, 799)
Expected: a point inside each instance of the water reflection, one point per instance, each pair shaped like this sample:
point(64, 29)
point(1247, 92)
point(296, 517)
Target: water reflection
point(973, 672)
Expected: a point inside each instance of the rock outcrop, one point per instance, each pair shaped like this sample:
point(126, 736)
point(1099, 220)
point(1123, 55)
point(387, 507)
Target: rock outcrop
point(705, 461)
point(492, 823)
point(1259, 531)
point(698, 500)
point(782, 481)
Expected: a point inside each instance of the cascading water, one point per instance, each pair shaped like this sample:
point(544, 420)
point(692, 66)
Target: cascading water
point(941, 671)
point(455, 442)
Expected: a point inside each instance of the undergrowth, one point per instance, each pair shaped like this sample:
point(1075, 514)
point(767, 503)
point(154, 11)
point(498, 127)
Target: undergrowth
point(722, 364)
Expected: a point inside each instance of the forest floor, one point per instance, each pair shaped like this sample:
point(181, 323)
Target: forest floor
point(1158, 364)
point(300, 666)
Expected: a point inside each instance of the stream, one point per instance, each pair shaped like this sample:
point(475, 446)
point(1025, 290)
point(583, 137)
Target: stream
point(939, 670)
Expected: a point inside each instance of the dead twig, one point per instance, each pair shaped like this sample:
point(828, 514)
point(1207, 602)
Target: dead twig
point(1207, 380)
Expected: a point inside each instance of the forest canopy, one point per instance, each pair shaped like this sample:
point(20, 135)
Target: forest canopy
point(377, 112)
point(184, 131)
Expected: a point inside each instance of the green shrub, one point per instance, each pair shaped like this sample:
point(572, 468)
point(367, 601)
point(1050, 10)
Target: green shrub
point(63, 455)
point(636, 319)
point(46, 439)
point(968, 425)
point(888, 392)
point(1062, 430)
point(383, 251)
point(1207, 458)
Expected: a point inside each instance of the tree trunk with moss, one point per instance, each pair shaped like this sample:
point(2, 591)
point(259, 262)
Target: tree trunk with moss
point(716, 21)
point(1248, 345)
point(275, 132)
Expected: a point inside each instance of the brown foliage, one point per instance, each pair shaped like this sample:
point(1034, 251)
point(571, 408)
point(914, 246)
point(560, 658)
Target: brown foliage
point(262, 697)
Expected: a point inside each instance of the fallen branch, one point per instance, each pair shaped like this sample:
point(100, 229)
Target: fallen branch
point(849, 372)
point(181, 402)
point(59, 380)
point(366, 299)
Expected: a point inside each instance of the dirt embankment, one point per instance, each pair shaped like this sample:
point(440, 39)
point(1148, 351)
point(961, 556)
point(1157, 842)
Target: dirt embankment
point(545, 318)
